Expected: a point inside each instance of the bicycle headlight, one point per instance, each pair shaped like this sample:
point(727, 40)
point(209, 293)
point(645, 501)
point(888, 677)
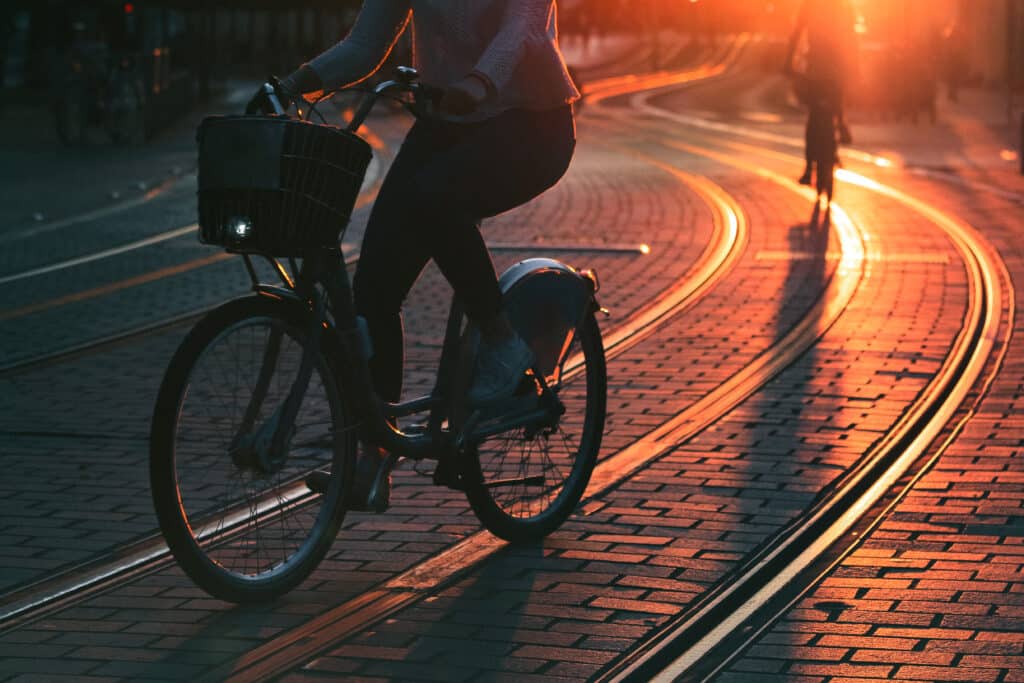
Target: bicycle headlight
point(239, 228)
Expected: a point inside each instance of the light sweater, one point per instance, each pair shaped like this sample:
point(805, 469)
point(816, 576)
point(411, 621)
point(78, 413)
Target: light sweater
point(511, 44)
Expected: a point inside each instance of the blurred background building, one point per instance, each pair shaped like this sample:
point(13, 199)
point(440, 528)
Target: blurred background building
point(179, 50)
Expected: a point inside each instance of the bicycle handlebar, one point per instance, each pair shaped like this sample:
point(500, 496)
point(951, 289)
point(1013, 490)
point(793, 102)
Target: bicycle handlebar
point(424, 97)
point(268, 95)
point(271, 99)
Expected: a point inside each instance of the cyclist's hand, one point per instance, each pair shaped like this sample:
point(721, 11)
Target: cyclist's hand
point(464, 97)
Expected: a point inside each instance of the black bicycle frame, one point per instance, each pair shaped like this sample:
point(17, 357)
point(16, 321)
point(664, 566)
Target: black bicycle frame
point(378, 419)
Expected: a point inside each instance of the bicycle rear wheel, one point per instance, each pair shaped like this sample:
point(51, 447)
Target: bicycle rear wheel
point(522, 486)
point(247, 529)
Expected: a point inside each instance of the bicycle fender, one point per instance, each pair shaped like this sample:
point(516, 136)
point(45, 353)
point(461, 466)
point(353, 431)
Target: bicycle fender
point(546, 300)
point(290, 295)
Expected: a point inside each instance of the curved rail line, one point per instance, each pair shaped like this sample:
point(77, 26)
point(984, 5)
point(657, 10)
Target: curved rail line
point(139, 330)
point(968, 357)
point(96, 214)
point(916, 430)
point(728, 240)
point(148, 196)
point(139, 560)
point(834, 556)
point(296, 646)
point(641, 101)
point(596, 91)
point(410, 586)
point(366, 197)
point(680, 651)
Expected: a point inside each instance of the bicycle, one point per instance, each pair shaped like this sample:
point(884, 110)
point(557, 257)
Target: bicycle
point(256, 425)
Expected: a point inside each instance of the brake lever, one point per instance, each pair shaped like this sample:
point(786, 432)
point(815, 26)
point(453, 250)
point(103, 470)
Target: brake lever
point(267, 94)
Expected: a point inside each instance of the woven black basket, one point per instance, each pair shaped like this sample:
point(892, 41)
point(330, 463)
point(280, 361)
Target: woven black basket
point(277, 186)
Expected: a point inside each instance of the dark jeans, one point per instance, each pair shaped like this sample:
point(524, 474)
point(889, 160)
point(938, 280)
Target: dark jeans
point(824, 101)
point(445, 179)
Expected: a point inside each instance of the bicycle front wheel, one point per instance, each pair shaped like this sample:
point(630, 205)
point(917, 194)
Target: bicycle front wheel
point(524, 483)
point(240, 518)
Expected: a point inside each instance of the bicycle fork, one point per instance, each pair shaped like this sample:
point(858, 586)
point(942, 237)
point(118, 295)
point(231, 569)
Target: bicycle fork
point(265, 449)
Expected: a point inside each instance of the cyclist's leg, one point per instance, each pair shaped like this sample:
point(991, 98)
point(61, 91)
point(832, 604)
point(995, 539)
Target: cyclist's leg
point(444, 180)
point(496, 166)
point(392, 257)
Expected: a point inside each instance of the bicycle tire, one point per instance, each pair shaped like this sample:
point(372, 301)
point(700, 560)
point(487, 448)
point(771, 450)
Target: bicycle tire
point(216, 529)
point(508, 515)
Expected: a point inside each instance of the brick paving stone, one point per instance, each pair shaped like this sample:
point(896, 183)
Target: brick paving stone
point(740, 497)
point(716, 497)
point(958, 673)
point(897, 657)
point(755, 665)
point(840, 669)
point(110, 467)
point(761, 677)
point(42, 666)
point(953, 528)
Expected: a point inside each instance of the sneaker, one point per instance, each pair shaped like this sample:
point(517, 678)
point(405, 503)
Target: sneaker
point(805, 179)
point(371, 488)
point(499, 370)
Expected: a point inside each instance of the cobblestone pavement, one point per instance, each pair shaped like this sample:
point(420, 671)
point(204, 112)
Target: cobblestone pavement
point(932, 593)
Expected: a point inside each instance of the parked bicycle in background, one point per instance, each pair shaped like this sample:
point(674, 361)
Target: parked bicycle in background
point(91, 88)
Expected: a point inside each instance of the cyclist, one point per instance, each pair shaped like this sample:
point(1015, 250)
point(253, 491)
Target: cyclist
point(505, 135)
point(829, 27)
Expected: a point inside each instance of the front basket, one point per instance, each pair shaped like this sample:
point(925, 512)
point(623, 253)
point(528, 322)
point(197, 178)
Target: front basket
point(277, 186)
